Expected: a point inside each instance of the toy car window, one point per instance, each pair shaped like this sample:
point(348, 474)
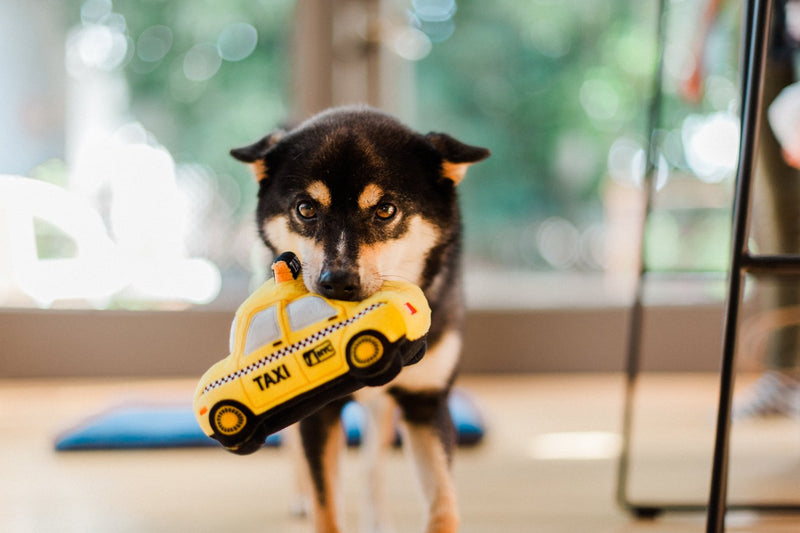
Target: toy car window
point(306, 311)
point(263, 330)
point(232, 339)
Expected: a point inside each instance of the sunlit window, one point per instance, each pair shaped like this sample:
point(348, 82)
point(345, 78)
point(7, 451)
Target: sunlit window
point(121, 193)
point(117, 190)
point(560, 92)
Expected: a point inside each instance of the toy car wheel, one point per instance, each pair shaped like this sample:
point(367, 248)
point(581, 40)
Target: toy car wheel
point(253, 443)
point(370, 359)
point(417, 349)
point(232, 423)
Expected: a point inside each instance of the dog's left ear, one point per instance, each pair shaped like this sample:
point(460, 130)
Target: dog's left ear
point(457, 156)
point(254, 154)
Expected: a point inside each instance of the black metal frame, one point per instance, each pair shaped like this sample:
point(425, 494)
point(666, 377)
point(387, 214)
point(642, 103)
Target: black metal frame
point(756, 36)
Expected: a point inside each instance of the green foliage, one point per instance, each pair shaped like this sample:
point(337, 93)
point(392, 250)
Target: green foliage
point(199, 121)
point(547, 86)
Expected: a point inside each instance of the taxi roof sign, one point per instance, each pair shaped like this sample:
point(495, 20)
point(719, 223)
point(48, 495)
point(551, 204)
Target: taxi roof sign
point(286, 267)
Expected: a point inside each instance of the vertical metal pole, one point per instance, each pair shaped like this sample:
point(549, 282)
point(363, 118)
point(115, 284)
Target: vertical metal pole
point(636, 317)
point(757, 35)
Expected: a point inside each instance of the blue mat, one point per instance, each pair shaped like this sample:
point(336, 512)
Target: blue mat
point(159, 426)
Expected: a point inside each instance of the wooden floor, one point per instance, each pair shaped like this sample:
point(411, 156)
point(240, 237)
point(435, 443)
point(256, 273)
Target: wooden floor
point(548, 464)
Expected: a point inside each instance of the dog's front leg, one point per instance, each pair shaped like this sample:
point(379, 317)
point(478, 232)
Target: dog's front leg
point(379, 434)
point(429, 437)
point(300, 502)
point(322, 443)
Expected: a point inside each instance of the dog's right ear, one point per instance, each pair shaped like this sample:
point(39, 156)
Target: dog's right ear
point(456, 156)
point(254, 154)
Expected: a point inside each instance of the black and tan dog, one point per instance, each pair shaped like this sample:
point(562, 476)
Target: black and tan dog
point(360, 198)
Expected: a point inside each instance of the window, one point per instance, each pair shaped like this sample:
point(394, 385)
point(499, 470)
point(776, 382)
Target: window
point(232, 337)
point(127, 110)
point(144, 99)
point(560, 92)
point(263, 330)
point(307, 311)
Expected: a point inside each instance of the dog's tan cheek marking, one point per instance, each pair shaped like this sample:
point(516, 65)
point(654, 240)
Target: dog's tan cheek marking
point(320, 192)
point(401, 258)
point(370, 196)
point(284, 239)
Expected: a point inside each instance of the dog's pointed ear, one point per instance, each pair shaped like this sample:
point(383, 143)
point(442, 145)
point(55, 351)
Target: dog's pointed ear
point(457, 156)
point(255, 153)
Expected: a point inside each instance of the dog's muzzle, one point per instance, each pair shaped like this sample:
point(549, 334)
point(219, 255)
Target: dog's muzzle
point(339, 285)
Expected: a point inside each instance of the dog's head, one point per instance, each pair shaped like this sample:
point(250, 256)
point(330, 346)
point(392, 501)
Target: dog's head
point(359, 197)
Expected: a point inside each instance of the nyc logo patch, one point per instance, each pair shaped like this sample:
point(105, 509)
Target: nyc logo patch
point(319, 353)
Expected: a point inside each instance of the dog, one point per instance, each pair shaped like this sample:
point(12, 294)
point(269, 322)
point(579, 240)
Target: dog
point(361, 198)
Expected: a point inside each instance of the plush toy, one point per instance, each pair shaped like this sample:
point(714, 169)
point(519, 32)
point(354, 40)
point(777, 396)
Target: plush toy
point(292, 351)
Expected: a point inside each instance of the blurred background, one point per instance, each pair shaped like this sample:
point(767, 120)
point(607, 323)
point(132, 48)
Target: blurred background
point(117, 118)
point(128, 238)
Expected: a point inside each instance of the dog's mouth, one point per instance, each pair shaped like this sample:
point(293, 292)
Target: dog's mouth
point(343, 285)
point(340, 285)
point(340, 280)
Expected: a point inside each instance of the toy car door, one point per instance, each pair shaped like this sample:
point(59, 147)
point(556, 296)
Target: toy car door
point(310, 319)
point(275, 373)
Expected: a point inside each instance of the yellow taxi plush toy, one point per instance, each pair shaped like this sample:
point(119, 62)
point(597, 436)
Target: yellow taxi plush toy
point(293, 351)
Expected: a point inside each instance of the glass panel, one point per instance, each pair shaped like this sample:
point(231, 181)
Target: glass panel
point(117, 120)
point(263, 330)
point(127, 109)
point(560, 92)
point(307, 311)
point(674, 411)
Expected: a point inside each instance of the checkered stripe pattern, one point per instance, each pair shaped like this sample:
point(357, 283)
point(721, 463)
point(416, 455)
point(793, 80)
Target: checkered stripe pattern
point(288, 350)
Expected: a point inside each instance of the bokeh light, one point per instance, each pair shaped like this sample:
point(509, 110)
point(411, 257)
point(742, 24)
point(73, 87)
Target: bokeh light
point(549, 38)
point(435, 18)
point(237, 41)
point(411, 43)
point(711, 145)
point(154, 43)
point(599, 99)
point(559, 242)
point(434, 10)
point(201, 62)
point(626, 161)
point(96, 46)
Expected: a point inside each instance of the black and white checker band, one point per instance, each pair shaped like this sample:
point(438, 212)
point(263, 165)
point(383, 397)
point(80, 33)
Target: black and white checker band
point(292, 348)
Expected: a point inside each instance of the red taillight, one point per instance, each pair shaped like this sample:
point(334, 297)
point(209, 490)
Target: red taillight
point(411, 308)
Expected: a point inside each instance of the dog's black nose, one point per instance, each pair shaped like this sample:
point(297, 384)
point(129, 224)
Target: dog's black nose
point(339, 285)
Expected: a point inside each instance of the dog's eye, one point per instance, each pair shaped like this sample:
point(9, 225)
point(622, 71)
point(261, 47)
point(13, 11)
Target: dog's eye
point(306, 210)
point(385, 211)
